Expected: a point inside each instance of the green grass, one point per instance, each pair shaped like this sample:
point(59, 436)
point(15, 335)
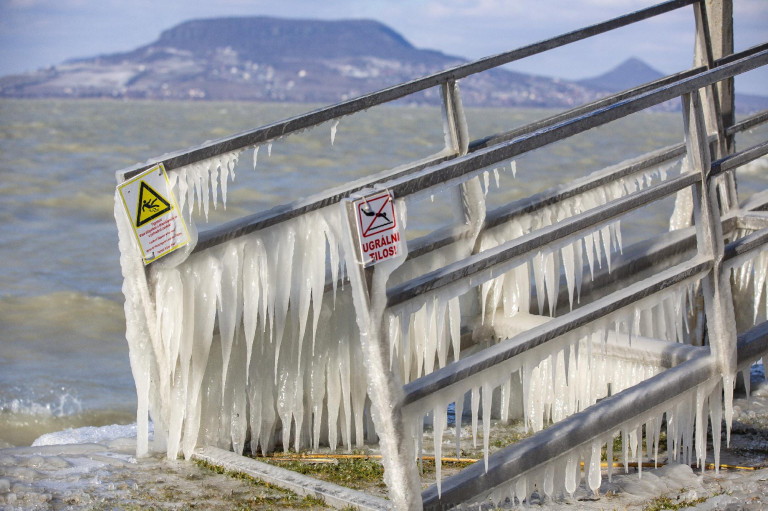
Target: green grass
point(275, 496)
point(355, 473)
point(667, 503)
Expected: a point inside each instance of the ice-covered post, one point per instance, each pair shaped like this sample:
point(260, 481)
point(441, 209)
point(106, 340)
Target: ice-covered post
point(714, 40)
point(718, 303)
point(384, 386)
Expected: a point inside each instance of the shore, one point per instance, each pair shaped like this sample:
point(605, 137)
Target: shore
point(103, 473)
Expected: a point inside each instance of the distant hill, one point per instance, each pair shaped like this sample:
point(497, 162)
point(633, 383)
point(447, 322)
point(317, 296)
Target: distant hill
point(628, 74)
point(272, 59)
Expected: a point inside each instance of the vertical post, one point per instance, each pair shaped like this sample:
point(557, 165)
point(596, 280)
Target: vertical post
point(469, 195)
point(456, 135)
point(714, 39)
point(720, 19)
point(384, 385)
point(716, 286)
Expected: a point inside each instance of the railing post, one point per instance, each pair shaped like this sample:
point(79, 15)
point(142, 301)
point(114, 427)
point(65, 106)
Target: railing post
point(720, 18)
point(716, 287)
point(385, 388)
point(714, 40)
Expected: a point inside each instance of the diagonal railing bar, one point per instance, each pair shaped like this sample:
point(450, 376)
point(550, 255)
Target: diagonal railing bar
point(322, 115)
point(486, 261)
point(748, 123)
point(453, 171)
point(579, 429)
point(421, 388)
point(460, 169)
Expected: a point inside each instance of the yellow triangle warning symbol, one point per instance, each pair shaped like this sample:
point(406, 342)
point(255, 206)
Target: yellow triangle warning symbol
point(151, 205)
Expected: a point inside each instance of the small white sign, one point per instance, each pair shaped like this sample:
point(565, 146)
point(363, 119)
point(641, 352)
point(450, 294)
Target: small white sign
point(154, 214)
point(377, 229)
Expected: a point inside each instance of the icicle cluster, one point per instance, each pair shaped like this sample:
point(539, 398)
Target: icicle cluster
point(512, 288)
point(559, 378)
point(257, 337)
point(238, 342)
point(200, 183)
point(686, 426)
point(750, 287)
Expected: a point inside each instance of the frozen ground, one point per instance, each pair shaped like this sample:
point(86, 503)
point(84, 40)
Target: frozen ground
point(104, 474)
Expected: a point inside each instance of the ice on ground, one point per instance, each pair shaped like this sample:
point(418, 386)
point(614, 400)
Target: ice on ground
point(87, 434)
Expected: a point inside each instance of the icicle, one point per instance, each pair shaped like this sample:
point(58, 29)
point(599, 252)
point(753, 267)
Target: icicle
point(438, 426)
point(487, 399)
point(255, 156)
point(475, 408)
point(334, 125)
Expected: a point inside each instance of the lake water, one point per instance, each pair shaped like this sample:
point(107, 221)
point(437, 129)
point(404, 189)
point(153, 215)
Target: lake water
point(63, 356)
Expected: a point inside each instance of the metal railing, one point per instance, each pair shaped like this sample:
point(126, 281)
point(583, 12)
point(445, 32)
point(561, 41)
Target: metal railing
point(706, 258)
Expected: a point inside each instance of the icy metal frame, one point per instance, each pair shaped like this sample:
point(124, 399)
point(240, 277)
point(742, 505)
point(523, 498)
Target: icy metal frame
point(463, 159)
point(322, 115)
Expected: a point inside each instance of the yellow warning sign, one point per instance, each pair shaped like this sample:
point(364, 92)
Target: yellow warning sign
point(150, 206)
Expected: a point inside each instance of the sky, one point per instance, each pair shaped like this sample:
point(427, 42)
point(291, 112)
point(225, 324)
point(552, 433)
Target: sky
point(36, 34)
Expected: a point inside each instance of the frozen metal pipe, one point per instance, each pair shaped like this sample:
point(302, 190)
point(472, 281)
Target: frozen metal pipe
point(444, 377)
point(314, 118)
point(508, 252)
point(573, 432)
point(581, 428)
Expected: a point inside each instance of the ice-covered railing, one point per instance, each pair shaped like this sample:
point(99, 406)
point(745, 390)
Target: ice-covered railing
point(487, 370)
point(267, 308)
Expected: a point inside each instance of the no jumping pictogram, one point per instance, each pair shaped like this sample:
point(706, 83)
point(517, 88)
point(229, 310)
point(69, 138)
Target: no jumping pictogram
point(376, 214)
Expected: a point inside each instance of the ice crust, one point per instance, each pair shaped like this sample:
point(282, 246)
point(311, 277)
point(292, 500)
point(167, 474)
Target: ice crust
point(244, 341)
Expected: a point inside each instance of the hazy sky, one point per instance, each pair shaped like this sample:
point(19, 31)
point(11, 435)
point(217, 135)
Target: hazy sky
point(39, 33)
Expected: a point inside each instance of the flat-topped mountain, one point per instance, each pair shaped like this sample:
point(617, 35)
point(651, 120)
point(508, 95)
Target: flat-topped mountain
point(272, 59)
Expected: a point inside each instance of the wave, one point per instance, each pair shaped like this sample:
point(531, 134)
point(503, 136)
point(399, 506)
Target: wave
point(23, 421)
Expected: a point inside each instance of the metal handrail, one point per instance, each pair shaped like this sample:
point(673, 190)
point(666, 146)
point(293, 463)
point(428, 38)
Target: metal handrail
point(460, 161)
point(453, 171)
point(282, 128)
point(511, 252)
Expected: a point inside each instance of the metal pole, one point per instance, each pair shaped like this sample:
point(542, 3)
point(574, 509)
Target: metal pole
point(718, 302)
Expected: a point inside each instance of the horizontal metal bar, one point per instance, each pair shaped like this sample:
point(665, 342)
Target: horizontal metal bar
point(543, 237)
point(575, 431)
point(733, 161)
point(578, 430)
point(582, 109)
point(316, 117)
point(752, 344)
point(427, 174)
point(749, 243)
point(753, 221)
point(748, 123)
point(460, 169)
point(455, 372)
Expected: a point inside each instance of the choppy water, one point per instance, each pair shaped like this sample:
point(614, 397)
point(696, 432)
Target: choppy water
point(63, 357)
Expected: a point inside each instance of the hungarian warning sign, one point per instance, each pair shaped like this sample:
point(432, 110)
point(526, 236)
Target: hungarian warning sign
point(377, 229)
point(154, 214)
